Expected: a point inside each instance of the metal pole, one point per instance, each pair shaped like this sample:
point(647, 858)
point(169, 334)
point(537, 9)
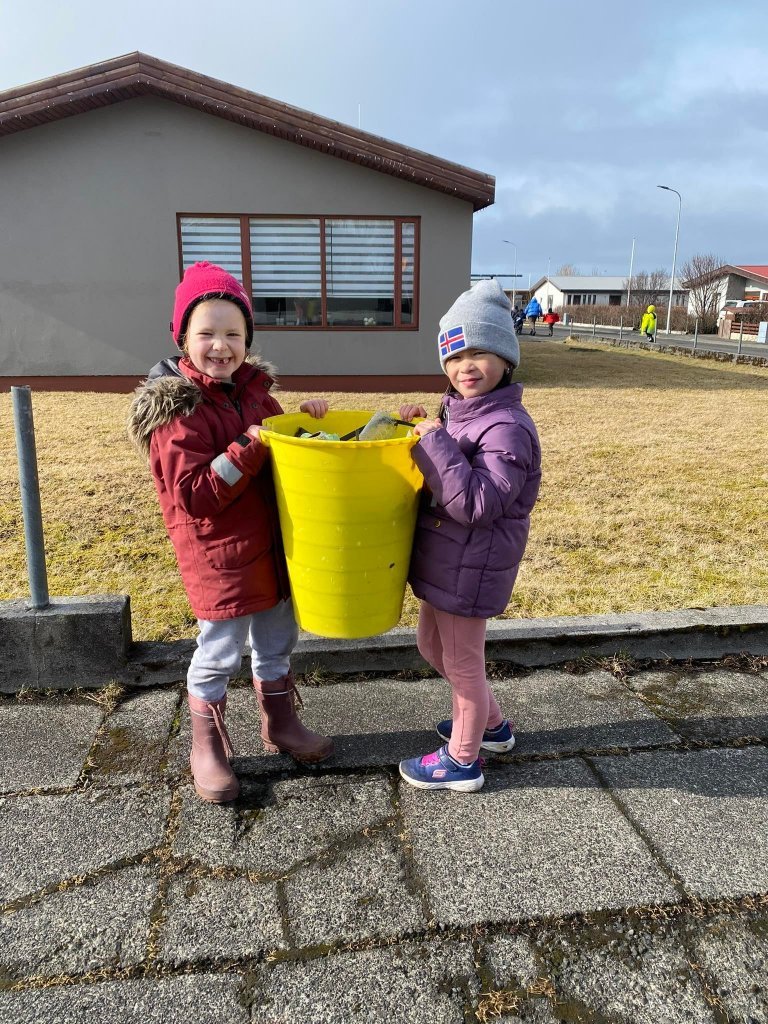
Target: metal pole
point(741, 333)
point(631, 264)
point(674, 254)
point(593, 326)
point(621, 328)
point(30, 496)
point(695, 334)
point(514, 268)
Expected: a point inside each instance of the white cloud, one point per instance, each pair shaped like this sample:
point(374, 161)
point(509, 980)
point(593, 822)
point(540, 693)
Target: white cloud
point(601, 191)
point(718, 68)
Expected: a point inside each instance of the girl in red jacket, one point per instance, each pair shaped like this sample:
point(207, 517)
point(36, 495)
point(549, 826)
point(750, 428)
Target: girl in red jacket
point(197, 418)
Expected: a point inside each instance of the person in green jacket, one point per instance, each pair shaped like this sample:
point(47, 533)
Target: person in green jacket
point(648, 324)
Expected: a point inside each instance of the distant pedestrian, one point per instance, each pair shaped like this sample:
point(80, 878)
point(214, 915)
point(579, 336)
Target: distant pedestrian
point(648, 323)
point(518, 320)
point(481, 461)
point(197, 418)
point(533, 312)
point(550, 319)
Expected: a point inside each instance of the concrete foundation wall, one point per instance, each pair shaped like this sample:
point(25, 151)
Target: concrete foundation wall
point(89, 258)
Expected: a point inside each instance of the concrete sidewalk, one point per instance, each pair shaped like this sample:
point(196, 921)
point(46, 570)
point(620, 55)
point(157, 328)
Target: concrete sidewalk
point(614, 867)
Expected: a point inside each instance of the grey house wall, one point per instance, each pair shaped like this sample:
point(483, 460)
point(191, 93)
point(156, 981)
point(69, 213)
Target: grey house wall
point(88, 240)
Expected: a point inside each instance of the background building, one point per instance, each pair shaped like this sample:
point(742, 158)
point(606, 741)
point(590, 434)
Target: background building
point(556, 292)
point(116, 177)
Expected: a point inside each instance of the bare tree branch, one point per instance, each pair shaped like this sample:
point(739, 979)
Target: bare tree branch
point(648, 288)
point(702, 275)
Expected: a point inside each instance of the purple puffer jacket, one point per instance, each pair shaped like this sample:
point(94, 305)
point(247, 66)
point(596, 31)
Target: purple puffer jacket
point(482, 474)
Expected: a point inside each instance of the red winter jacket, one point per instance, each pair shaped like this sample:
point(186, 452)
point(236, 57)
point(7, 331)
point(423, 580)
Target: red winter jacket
point(215, 485)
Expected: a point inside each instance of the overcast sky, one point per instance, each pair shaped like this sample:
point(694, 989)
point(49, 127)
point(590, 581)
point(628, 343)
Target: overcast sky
point(579, 110)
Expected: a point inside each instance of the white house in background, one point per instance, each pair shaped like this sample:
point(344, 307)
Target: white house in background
point(737, 282)
point(555, 292)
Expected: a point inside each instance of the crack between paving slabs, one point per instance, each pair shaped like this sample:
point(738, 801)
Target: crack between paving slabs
point(99, 748)
point(246, 967)
point(85, 880)
point(159, 909)
point(657, 857)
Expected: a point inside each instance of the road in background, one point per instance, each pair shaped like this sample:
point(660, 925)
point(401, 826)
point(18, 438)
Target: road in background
point(704, 343)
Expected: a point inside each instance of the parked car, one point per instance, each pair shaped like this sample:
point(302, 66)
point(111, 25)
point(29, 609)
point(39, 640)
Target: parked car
point(735, 304)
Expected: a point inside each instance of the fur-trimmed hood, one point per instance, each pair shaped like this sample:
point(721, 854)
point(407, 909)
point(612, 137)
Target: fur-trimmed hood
point(168, 393)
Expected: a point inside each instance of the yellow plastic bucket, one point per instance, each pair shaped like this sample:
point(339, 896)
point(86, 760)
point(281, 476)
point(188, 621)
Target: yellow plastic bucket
point(347, 516)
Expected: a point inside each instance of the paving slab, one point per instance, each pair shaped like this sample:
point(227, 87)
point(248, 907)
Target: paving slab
point(99, 925)
point(45, 744)
point(191, 999)
point(719, 705)
point(359, 893)
point(276, 825)
point(733, 953)
point(132, 742)
point(53, 838)
point(411, 983)
point(560, 712)
point(377, 721)
point(621, 972)
point(219, 919)
point(704, 811)
point(537, 840)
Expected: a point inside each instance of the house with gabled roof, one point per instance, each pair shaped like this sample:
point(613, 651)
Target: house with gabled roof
point(596, 290)
point(117, 176)
point(747, 282)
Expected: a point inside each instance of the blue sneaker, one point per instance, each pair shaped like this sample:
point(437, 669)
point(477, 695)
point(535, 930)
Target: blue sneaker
point(495, 741)
point(440, 771)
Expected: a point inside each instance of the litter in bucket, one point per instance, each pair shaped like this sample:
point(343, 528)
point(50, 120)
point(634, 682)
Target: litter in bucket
point(347, 516)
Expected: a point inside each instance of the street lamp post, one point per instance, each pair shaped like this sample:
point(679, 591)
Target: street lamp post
point(629, 282)
point(674, 254)
point(514, 268)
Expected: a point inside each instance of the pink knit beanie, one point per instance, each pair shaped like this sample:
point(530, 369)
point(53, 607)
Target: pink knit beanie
point(207, 281)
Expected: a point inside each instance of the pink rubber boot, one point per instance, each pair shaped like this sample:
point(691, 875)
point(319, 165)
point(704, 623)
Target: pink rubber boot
point(281, 728)
point(211, 751)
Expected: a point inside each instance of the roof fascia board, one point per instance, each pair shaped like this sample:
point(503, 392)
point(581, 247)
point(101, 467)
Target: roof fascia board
point(137, 74)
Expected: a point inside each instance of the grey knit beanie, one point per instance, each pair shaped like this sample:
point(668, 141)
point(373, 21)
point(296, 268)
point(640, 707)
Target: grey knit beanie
point(479, 318)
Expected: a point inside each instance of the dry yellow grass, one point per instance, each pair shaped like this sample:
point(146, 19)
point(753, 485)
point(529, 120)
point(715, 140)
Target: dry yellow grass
point(654, 494)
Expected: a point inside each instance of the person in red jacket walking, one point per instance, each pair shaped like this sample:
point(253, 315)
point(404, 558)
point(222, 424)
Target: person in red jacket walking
point(197, 418)
point(550, 319)
point(481, 461)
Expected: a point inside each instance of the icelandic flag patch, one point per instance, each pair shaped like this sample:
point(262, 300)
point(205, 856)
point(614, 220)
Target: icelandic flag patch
point(451, 341)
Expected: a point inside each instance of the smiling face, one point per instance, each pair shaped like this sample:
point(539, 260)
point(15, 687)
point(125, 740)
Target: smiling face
point(215, 338)
point(474, 372)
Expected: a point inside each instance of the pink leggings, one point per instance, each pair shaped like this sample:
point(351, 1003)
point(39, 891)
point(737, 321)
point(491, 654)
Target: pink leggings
point(455, 646)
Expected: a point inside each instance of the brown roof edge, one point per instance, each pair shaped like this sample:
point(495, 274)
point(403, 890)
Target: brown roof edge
point(727, 268)
point(138, 74)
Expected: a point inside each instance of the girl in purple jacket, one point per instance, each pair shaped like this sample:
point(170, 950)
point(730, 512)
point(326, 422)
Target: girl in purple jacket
point(481, 462)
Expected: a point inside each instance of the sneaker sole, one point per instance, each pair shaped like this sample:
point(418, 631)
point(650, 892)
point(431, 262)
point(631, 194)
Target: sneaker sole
point(468, 786)
point(491, 748)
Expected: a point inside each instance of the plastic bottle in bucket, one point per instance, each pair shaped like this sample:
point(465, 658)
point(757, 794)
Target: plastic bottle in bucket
point(347, 516)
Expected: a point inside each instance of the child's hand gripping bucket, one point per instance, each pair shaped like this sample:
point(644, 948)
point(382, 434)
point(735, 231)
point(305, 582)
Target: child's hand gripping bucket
point(347, 515)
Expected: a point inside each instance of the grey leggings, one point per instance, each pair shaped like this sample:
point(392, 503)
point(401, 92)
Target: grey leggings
point(272, 635)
